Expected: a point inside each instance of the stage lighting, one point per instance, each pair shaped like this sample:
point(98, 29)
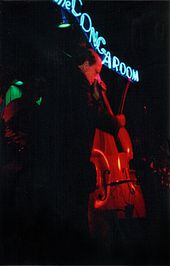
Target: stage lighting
point(63, 22)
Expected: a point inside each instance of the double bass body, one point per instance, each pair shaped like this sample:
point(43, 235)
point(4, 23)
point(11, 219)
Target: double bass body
point(117, 187)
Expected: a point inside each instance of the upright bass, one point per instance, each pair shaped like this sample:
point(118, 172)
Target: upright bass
point(117, 187)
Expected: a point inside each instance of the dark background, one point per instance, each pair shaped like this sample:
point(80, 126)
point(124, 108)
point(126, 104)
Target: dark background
point(138, 34)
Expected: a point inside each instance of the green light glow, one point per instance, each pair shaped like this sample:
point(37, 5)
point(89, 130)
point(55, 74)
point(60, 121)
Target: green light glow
point(12, 94)
point(18, 82)
point(65, 25)
point(39, 101)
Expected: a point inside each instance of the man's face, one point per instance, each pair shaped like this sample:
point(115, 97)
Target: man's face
point(92, 72)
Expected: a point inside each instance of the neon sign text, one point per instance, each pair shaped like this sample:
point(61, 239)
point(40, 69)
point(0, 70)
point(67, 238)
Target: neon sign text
point(98, 42)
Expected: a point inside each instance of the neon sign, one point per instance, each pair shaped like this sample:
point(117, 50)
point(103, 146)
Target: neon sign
point(98, 42)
